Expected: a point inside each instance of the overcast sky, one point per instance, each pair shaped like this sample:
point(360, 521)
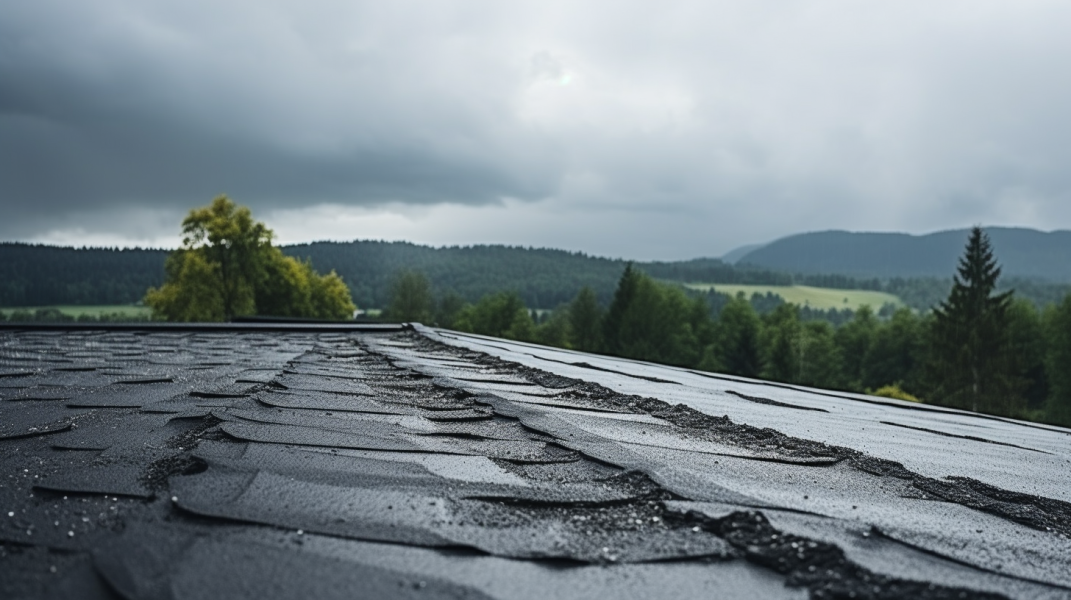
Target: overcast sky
point(646, 130)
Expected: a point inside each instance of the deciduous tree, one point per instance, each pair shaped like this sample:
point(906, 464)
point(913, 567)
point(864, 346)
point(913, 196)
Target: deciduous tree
point(227, 267)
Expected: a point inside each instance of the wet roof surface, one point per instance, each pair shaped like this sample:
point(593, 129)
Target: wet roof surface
point(254, 463)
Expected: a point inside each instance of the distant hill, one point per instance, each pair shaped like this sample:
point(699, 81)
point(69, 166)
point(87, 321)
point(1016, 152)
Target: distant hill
point(40, 275)
point(736, 254)
point(544, 277)
point(1023, 253)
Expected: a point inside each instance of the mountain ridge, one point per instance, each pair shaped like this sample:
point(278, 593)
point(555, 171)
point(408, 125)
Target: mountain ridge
point(1022, 252)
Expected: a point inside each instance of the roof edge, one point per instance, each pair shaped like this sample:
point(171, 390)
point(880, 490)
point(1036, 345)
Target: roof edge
point(222, 327)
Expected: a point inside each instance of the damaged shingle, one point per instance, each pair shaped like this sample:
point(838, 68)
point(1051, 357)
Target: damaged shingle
point(211, 463)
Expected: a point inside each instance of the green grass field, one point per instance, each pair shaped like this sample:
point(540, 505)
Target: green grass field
point(819, 298)
point(103, 309)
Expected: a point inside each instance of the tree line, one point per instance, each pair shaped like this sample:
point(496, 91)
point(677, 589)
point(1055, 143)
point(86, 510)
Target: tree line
point(979, 349)
point(54, 315)
point(40, 275)
point(35, 275)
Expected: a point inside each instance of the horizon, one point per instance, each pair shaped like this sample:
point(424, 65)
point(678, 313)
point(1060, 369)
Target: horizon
point(749, 246)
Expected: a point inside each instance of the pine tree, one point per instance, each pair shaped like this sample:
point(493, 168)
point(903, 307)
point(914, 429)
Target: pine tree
point(585, 316)
point(854, 340)
point(781, 344)
point(738, 339)
point(624, 296)
point(411, 299)
point(1058, 358)
point(971, 363)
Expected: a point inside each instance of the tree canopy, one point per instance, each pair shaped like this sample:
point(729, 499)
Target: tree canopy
point(972, 365)
point(227, 267)
point(411, 299)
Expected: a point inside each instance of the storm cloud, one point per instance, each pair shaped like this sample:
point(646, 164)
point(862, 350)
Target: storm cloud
point(666, 130)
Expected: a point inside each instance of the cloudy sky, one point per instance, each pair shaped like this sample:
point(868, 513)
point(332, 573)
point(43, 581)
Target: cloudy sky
point(648, 130)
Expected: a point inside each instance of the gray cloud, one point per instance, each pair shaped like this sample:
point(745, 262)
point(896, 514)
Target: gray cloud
point(724, 123)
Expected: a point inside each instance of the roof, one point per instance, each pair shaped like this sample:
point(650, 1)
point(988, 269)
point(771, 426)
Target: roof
point(263, 461)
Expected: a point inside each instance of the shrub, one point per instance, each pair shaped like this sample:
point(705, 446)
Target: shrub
point(894, 391)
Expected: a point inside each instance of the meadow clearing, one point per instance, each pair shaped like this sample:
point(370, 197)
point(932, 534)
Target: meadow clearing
point(814, 297)
point(129, 310)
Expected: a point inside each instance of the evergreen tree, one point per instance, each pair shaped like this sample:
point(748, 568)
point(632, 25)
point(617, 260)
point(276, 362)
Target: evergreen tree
point(854, 340)
point(500, 315)
point(656, 322)
point(737, 343)
point(819, 361)
point(1058, 359)
point(411, 299)
point(781, 344)
point(449, 306)
point(894, 353)
point(555, 329)
point(1029, 343)
point(624, 296)
point(971, 364)
point(585, 316)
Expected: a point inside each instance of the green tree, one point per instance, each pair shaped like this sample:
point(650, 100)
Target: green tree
point(556, 329)
point(819, 359)
point(971, 364)
point(1028, 342)
point(585, 321)
point(21, 316)
point(448, 308)
point(499, 315)
point(895, 353)
point(227, 267)
point(854, 339)
point(1057, 361)
point(655, 322)
point(411, 299)
point(781, 344)
point(624, 298)
point(291, 288)
point(736, 349)
point(330, 298)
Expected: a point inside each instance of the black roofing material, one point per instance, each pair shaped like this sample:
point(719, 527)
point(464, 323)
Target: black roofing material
point(762, 400)
point(962, 437)
point(393, 464)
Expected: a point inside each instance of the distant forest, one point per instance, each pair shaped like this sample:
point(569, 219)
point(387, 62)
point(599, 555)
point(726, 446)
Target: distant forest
point(1024, 253)
point(39, 275)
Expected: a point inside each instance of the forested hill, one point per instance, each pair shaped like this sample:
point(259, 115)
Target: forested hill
point(544, 278)
point(1023, 253)
point(37, 275)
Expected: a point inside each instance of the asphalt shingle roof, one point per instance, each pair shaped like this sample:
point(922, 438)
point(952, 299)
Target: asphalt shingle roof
point(261, 462)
